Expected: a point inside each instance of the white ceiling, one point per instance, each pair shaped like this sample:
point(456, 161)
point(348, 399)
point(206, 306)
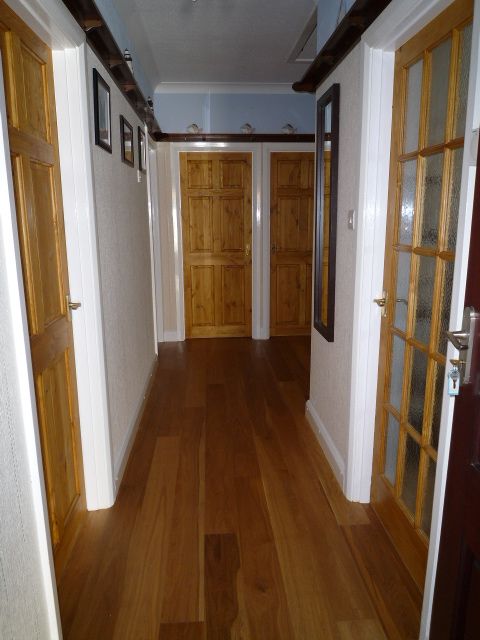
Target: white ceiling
point(220, 41)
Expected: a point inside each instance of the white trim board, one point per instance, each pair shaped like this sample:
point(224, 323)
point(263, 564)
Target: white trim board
point(328, 446)
point(399, 22)
point(226, 147)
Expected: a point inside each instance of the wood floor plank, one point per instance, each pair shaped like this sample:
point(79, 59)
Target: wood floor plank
point(280, 366)
point(181, 599)
point(300, 374)
point(195, 391)
point(265, 597)
point(140, 605)
point(79, 565)
point(220, 500)
point(308, 602)
point(249, 469)
point(392, 589)
point(182, 631)
point(361, 630)
point(99, 596)
point(344, 585)
point(222, 562)
point(346, 512)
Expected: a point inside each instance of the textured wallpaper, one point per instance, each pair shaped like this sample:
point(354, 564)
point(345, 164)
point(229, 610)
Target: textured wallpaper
point(332, 362)
point(125, 267)
point(23, 611)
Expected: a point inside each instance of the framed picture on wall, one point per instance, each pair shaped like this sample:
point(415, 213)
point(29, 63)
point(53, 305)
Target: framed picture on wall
point(142, 151)
point(102, 114)
point(126, 138)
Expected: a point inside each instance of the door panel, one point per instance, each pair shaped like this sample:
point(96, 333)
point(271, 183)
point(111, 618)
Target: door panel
point(291, 233)
point(425, 175)
point(28, 74)
point(217, 237)
point(456, 613)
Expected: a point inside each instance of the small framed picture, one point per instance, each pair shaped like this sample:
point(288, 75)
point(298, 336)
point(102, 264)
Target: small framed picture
point(101, 103)
point(142, 151)
point(126, 137)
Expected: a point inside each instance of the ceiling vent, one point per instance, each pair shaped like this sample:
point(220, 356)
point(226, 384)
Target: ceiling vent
point(305, 48)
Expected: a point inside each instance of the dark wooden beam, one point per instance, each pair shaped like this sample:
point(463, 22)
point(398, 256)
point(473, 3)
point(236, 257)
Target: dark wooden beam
point(348, 33)
point(100, 38)
point(235, 137)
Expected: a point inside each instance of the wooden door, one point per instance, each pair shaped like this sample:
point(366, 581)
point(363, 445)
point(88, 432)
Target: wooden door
point(28, 76)
point(216, 191)
point(430, 93)
point(456, 610)
point(292, 184)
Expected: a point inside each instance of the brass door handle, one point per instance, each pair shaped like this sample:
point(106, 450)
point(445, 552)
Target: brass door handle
point(248, 249)
point(70, 305)
point(382, 302)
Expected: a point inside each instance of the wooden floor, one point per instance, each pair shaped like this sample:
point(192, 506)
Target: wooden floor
point(229, 522)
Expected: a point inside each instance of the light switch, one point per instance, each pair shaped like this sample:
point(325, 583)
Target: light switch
point(351, 220)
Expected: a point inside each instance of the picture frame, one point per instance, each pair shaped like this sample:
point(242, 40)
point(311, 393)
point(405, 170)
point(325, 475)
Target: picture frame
point(326, 154)
point(102, 112)
point(142, 151)
point(126, 139)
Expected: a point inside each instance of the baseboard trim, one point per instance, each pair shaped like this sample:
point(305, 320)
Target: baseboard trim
point(329, 449)
point(170, 336)
point(124, 454)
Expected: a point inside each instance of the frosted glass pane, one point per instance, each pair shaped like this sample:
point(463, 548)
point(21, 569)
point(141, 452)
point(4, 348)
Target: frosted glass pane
point(446, 304)
point(439, 93)
point(408, 202)
point(403, 280)
point(418, 383)
point(462, 88)
point(424, 298)
point(391, 448)
point(413, 106)
point(439, 379)
point(454, 198)
point(396, 375)
point(410, 475)
point(431, 200)
point(428, 497)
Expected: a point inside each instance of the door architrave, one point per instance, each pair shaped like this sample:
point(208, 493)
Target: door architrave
point(397, 24)
point(258, 231)
point(51, 21)
point(267, 149)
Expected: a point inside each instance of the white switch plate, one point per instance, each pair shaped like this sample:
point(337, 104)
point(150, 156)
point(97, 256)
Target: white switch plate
point(351, 220)
point(139, 175)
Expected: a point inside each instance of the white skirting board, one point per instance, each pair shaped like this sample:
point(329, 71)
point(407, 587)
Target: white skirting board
point(334, 458)
point(124, 453)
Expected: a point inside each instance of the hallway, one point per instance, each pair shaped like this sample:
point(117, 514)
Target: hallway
point(229, 522)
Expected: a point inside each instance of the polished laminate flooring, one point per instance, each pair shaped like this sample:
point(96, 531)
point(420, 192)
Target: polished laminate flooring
point(229, 522)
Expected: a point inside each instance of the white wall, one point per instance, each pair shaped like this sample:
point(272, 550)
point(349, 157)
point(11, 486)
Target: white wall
point(122, 218)
point(331, 361)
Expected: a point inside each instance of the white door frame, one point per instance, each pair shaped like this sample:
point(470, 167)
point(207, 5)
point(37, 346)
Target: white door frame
point(267, 149)
point(257, 226)
point(396, 25)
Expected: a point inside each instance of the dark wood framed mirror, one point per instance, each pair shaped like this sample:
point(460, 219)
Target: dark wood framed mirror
point(328, 110)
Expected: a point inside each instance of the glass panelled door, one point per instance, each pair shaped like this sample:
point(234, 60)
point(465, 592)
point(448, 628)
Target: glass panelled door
point(430, 96)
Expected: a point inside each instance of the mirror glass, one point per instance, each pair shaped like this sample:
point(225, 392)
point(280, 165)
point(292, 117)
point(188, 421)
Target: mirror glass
point(326, 211)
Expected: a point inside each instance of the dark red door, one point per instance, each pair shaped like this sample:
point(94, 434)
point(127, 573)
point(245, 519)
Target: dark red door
point(456, 605)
